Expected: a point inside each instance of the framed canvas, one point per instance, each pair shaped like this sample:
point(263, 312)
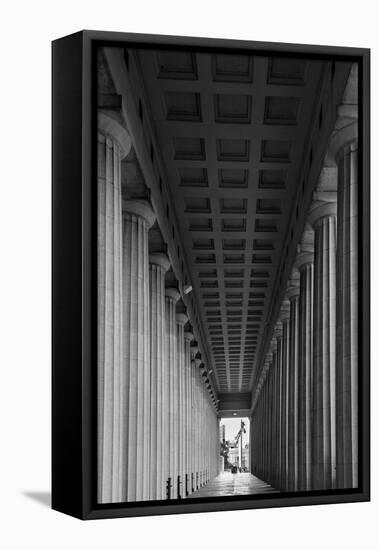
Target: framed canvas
point(211, 287)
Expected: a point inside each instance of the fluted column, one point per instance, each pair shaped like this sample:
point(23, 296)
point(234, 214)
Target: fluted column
point(113, 144)
point(135, 374)
point(181, 320)
point(304, 263)
point(284, 316)
point(159, 263)
point(293, 387)
point(171, 440)
point(193, 427)
point(347, 317)
point(262, 398)
point(194, 411)
point(323, 219)
point(278, 334)
point(267, 420)
point(275, 405)
point(252, 443)
point(200, 426)
point(188, 337)
point(202, 431)
point(197, 412)
point(267, 413)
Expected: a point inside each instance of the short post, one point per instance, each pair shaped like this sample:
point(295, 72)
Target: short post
point(168, 488)
point(179, 484)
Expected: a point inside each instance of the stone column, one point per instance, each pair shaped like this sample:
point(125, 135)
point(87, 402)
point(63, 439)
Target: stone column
point(188, 337)
point(262, 428)
point(199, 425)
point(181, 320)
point(270, 380)
point(202, 431)
point(284, 317)
point(293, 386)
point(323, 219)
point(252, 443)
point(275, 403)
point(194, 410)
point(304, 262)
point(268, 414)
point(278, 335)
point(193, 427)
point(171, 440)
point(347, 318)
point(113, 144)
point(263, 399)
point(197, 414)
point(159, 264)
point(138, 217)
point(268, 420)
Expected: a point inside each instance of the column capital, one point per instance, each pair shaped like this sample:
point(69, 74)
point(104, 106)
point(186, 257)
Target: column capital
point(306, 243)
point(278, 330)
point(273, 344)
point(342, 138)
point(303, 259)
point(110, 126)
point(320, 210)
point(172, 293)
point(181, 318)
point(188, 335)
point(161, 259)
point(194, 347)
point(140, 208)
point(284, 312)
point(294, 278)
point(266, 368)
point(292, 292)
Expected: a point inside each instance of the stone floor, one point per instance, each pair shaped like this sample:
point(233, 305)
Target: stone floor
point(228, 484)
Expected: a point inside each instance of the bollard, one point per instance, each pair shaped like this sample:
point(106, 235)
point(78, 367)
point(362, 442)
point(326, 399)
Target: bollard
point(179, 484)
point(187, 492)
point(168, 488)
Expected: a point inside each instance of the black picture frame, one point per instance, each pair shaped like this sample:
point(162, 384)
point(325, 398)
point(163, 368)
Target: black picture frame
point(74, 280)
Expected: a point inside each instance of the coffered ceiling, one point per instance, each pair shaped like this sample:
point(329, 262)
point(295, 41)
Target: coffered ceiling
point(232, 130)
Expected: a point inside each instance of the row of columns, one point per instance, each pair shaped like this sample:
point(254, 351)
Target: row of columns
point(304, 427)
point(157, 427)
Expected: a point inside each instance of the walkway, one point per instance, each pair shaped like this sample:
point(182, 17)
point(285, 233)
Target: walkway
point(228, 484)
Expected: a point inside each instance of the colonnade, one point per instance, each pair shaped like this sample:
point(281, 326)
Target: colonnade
point(157, 426)
point(304, 425)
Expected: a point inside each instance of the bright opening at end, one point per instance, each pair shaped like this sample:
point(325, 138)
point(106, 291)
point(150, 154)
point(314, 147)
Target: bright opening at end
point(234, 444)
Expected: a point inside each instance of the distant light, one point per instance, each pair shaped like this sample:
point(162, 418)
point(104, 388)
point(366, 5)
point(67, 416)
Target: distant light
point(234, 414)
point(187, 289)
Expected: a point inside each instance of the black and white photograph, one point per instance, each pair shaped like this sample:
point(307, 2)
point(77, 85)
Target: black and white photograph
point(228, 289)
point(189, 255)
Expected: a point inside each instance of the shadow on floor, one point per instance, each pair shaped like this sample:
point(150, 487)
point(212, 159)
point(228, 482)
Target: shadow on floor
point(228, 484)
point(42, 497)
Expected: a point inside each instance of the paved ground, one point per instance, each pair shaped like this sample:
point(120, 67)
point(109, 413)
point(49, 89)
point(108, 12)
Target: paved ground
point(233, 484)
